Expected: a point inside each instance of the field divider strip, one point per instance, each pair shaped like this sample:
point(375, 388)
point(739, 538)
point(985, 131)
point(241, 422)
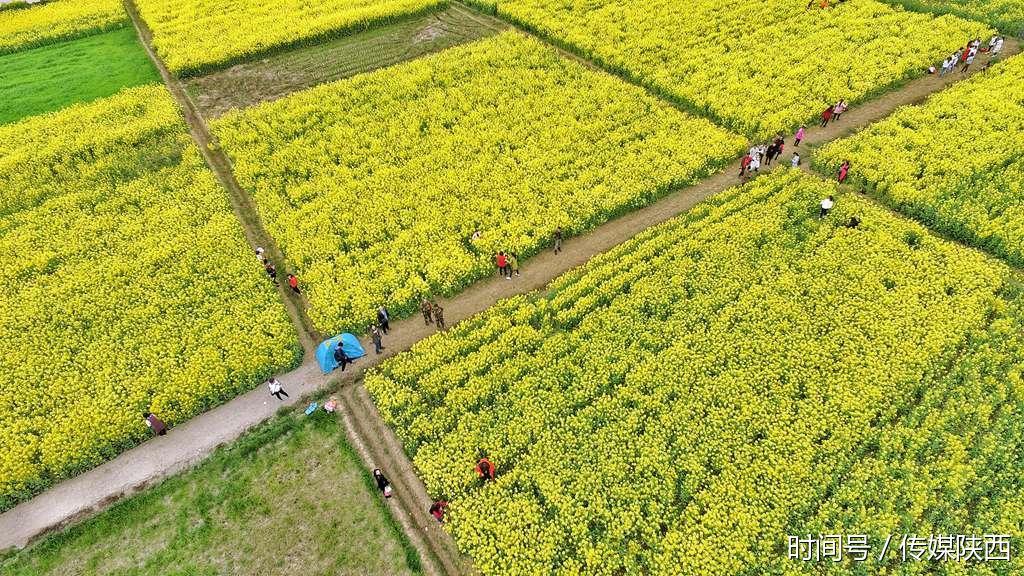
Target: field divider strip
point(242, 203)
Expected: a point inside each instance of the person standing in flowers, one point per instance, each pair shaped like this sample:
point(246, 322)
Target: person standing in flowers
point(439, 316)
point(826, 206)
point(427, 310)
point(383, 319)
point(154, 424)
point(844, 171)
point(437, 510)
point(558, 240)
point(485, 469)
point(378, 340)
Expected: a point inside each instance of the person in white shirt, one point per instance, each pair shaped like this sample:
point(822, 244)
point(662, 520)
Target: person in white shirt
point(796, 160)
point(275, 389)
point(826, 206)
point(998, 47)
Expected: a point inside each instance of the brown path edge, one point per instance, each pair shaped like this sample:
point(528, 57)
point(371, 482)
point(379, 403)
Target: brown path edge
point(187, 444)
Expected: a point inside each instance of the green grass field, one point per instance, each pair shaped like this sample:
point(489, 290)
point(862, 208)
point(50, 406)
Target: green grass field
point(288, 498)
point(52, 77)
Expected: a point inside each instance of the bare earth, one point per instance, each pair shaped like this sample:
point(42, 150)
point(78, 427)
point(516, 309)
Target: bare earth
point(376, 444)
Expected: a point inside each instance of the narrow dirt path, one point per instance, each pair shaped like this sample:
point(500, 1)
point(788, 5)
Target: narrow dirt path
point(241, 202)
point(192, 441)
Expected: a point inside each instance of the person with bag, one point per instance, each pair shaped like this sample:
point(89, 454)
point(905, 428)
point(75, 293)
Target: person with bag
point(382, 482)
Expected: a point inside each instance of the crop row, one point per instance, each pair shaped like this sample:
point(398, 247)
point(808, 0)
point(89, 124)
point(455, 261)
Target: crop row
point(127, 286)
point(681, 403)
point(374, 186)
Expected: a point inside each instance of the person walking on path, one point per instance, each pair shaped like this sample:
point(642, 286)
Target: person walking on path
point(513, 264)
point(844, 171)
point(378, 340)
point(968, 62)
point(382, 482)
point(946, 67)
point(837, 112)
point(826, 206)
point(826, 115)
point(745, 165)
point(439, 316)
point(998, 48)
point(799, 136)
point(154, 424)
point(437, 510)
point(558, 240)
point(427, 310)
point(293, 283)
point(383, 319)
point(276, 389)
point(271, 272)
point(261, 255)
point(485, 469)
point(755, 165)
point(795, 162)
point(340, 356)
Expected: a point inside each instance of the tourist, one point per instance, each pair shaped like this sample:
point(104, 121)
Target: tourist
point(382, 482)
point(439, 316)
point(945, 67)
point(383, 319)
point(826, 206)
point(844, 171)
point(260, 255)
point(437, 510)
point(558, 240)
point(853, 223)
point(331, 405)
point(838, 110)
point(998, 48)
point(755, 164)
point(968, 61)
point(485, 469)
point(795, 162)
point(155, 424)
point(826, 115)
point(513, 265)
point(745, 164)
point(271, 272)
point(341, 357)
point(799, 136)
point(293, 283)
point(502, 262)
point(426, 309)
point(378, 341)
point(276, 389)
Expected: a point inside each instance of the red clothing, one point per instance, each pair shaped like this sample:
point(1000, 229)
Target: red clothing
point(156, 425)
point(485, 469)
point(293, 281)
point(746, 161)
point(501, 261)
point(827, 114)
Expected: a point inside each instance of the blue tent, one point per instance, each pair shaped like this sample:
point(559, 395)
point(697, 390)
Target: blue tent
point(325, 351)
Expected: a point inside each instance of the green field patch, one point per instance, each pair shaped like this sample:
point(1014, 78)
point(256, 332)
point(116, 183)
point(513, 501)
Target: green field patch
point(51, 77)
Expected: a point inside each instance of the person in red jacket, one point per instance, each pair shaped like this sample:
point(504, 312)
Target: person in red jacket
point(293, 283)
point(502, 261)
point(826, 115)
point(484, 469)
point(155, 424)
point(437, 510)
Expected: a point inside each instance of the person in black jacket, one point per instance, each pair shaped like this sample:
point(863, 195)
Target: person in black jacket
point(341, 357)
point(382, 482)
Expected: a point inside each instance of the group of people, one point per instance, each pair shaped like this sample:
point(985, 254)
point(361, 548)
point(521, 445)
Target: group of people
point(508, 264)
point(764, 154)
point(433, 313)
point(485, 471)
point(833, 113)
point(965, 56)
point(271, 270)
